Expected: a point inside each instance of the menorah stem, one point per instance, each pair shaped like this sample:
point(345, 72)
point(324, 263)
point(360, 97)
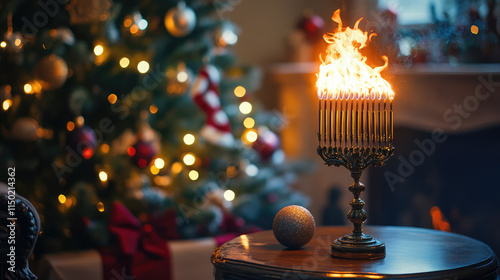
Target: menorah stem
point(357, 215)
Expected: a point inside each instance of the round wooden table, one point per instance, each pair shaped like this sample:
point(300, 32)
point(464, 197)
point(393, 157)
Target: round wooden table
point(412, 253)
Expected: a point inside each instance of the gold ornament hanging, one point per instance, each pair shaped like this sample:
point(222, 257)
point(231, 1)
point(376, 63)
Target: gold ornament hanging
point(88, 11)
point(51, 72)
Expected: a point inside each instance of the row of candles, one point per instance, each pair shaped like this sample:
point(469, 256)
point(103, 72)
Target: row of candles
point(356, 122)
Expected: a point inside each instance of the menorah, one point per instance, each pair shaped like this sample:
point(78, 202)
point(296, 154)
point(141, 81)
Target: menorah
point(356, 131)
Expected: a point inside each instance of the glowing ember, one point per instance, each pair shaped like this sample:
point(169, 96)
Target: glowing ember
point(344, 73)
point(438, 220)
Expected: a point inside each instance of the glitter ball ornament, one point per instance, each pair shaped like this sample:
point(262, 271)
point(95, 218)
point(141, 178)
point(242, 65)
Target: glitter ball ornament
point(142, 153)
point(51, 71)
point(294, 226)
point(180, 20)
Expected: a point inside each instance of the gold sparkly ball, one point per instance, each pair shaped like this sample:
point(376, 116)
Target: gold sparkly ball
point(294, 226)
point(51, 71)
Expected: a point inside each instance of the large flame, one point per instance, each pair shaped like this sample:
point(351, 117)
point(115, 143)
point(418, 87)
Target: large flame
point(344, 72)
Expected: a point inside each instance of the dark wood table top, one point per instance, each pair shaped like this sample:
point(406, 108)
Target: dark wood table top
point(412, 253)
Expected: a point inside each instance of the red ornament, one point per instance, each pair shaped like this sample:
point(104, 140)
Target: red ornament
point(83, 141)
point(312, 26)
point(267, 143)
point(142, 153)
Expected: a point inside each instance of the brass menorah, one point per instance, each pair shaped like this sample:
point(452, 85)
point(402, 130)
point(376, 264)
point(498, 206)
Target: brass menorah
point(356, 131)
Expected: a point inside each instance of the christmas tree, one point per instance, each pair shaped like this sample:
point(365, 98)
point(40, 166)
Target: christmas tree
point(140, 102)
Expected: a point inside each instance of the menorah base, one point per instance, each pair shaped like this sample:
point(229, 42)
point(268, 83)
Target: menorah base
point(358, 248)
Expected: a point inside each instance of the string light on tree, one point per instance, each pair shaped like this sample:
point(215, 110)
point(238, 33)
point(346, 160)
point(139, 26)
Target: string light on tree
point(249, 123)
point(28, 89)
point(252, 170)
point(240, 91)
point(189, 139)
point(112, 98)
point(188, 159)
point(159, 163)
point(143, 67)
point(153, 109)
point(100, 206)
point(134, 24)
point(249, 136)
point(194, 175)
point(124, 62)
point(474, 29)
point(105, 148)
point(176, 168)
point(61, 198)
point(3, 44)
point(225, 35)
point(98, 50)
point(245, 107)
point(103, 176)
point(6, 104)
point(154, 170)
point(229, 195)
point(70, 126)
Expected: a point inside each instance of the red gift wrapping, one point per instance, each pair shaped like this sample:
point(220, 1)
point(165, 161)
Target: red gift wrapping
point(143, 254)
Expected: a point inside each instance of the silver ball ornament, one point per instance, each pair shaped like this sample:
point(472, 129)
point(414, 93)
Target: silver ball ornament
point(180, 20)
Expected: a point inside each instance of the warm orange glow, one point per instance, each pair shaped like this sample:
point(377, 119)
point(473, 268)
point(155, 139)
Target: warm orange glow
point(70, 126)
point(344, 73)
point(127, 22)
point(153, 109)
point(438, 220)
point(112, 98)
point(105, 148)
point(474, 29)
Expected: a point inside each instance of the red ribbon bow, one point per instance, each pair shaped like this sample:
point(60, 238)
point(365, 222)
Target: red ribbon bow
point(144, 247)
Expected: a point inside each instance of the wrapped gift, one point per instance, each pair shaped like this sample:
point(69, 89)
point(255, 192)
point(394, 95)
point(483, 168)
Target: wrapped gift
point(144, 252)
point(189, 259)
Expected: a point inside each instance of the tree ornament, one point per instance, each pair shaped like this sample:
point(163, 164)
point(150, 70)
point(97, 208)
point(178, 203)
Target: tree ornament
point(178, 79)
point(25, 129)
point(205, 93)
point(51, 71)
point(142, 153)
point(312, 26)
point(88, 11)
point(82, 140)
point(267, 143)
point(180, 20)
point(294, 226)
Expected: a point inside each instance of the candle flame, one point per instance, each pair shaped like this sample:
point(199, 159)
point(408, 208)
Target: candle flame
point(344, 73)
